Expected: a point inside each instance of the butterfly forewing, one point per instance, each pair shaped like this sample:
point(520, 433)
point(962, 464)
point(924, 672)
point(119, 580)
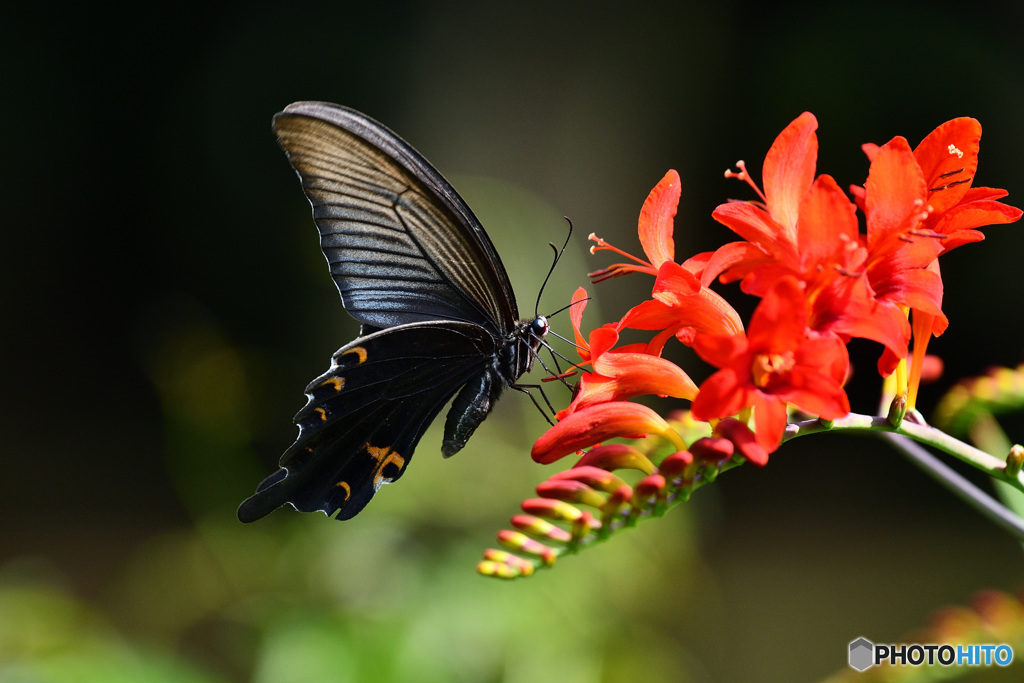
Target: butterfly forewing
point(401, 244)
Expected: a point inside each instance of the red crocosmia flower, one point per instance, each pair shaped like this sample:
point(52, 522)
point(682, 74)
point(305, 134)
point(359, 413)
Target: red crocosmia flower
point(656, 225)
point(681, 307)
point(900, 253)
point(948, 159)
point(620, 373)
point(808, 232)
point(920, 204)
point(778, 362)
point(769, 227)
point(855, 286)
point(596, 423)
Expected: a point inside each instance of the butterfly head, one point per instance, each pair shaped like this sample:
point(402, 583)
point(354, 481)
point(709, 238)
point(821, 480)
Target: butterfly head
point(539, 328)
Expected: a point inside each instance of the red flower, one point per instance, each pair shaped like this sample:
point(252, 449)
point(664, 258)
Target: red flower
point(779, 362)
point(901, 252)
point(597, 423)
point(806, 228)
point(770, 227)
point(917, 204)
point(681, 306)
point(948, 161)
point(946, 212)
point(656, 225)
point(621, 373)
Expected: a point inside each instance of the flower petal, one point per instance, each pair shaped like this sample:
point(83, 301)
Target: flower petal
point(948, 158)
point(720, 350)
point(789, 170)
point(780, 321)
point(705, 311)
point(758, 227)
point(721, 395)
point(769, 420)
point(959, 222)
point(576, 308)
point(657, 220)
point(827, 225)
point(637, 374)
point(673, 277)
point(816, 393)
point(895, 193)
point(730, 261)
point(601, 340)
point(880, 321)
point(917, 288)
point(597, 423)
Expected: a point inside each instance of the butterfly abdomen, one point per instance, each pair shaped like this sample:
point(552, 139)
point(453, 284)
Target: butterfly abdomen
point(471, 405)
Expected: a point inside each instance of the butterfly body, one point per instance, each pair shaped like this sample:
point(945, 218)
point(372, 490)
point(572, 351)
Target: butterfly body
point(439, 318)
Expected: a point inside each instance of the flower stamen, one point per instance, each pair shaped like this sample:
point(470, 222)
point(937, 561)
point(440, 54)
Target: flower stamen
point(617, 269)
point(768, 367)
point(745, 177)
point(949, 185)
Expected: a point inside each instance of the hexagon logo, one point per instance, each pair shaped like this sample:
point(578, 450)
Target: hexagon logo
point(862, 654)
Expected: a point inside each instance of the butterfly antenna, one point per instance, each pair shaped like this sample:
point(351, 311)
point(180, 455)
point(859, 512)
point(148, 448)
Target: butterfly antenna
point(568, 306)
point(525, 388)
point(558, 255)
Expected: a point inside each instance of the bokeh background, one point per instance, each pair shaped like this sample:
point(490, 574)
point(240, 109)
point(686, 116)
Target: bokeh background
point(164, 303)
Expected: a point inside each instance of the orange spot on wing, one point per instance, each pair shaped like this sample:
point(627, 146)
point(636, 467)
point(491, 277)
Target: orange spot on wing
point(359, 351)
point(336, 383)
point(384, 457)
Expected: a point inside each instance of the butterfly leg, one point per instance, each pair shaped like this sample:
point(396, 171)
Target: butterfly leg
point(525, 388)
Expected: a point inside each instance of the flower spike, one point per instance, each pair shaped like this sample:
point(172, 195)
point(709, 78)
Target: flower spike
point(822, 282)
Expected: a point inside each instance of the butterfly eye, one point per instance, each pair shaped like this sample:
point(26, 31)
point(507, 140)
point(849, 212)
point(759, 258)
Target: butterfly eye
point(540, 327)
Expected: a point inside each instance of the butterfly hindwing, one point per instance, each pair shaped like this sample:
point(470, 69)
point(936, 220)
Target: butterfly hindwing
point(365, 415)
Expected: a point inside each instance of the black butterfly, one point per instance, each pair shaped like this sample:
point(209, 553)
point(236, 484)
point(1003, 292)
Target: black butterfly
point(415, 267)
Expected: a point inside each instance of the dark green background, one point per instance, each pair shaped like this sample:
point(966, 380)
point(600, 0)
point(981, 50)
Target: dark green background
point(164, 303)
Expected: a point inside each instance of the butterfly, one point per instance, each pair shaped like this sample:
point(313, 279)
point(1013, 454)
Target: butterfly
point(439, 318)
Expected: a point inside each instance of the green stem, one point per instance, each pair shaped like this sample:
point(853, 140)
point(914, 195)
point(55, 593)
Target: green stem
point(922, 433)
point(988, 434)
